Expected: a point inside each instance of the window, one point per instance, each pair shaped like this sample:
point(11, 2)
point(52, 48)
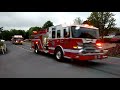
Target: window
point(84, 33)
point(53, 34)
point(58, 34)
point(66, 33)
point(53, 29)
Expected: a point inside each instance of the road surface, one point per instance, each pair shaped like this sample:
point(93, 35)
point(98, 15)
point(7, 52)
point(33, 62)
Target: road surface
point(22, 62)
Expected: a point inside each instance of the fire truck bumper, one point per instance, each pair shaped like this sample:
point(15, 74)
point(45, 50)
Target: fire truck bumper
point(18, 43)
point(92, 56)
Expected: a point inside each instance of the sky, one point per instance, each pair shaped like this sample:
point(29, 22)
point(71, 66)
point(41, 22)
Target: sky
point(25, 20)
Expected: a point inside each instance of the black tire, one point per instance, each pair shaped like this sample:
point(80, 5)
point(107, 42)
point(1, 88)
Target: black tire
point(36, 50)
point(59, 55)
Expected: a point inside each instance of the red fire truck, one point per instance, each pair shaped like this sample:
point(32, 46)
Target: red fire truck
point(80, 42)
point(17, 39)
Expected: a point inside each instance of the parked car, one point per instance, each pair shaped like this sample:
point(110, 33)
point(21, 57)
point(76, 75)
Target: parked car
point(116, 39)
point(107, 39)
point(3, 48)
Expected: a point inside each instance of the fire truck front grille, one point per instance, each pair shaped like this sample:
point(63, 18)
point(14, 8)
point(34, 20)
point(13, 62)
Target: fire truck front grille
point(90, 48)
point(89, 45)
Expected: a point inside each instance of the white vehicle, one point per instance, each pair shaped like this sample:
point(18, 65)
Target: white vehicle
point(110, 36)
point(3, 48)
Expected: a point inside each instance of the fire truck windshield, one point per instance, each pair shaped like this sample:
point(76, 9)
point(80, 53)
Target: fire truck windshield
point(18, 38)
point(83, 32)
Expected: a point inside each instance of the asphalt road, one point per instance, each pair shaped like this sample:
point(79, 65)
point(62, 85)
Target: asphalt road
point(21, 62)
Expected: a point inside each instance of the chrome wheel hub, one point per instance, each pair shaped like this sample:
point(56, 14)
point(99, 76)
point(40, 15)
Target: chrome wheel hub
point(58, 55)
point(36, 51)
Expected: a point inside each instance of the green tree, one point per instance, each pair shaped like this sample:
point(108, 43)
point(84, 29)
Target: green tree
point(21, 32)
point(6, 35)
point(1, 30)
point(13, 32)
point(78, 21)
point(115, 30)
point(102, 20)
point(47, 24)
point(27, 34)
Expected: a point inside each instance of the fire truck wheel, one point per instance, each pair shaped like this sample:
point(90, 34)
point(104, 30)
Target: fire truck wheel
point(59, 54)
point(36, 50)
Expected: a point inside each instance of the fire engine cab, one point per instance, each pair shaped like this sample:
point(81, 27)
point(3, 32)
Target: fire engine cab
point(79, 42)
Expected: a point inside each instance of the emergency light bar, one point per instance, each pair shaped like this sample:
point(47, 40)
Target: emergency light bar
point(83, 25)
point(88, 26)
point(18, 36)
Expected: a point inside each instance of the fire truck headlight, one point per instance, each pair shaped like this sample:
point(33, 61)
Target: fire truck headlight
point(99, 45)
point(77, 47)
point(36, 42)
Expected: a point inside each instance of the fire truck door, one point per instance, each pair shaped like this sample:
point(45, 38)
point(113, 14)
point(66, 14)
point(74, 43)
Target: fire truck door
point(59, 40)
point(59, 36)
point(66, 36)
